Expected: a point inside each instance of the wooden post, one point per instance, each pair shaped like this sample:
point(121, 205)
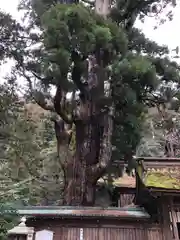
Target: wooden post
point(166, 222)
point(174, 220)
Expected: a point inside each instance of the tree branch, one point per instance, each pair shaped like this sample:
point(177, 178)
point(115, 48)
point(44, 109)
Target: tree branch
point(61, 111)
point(91, 3)
point(133, 8)
point(39, 96)
point(42, 102)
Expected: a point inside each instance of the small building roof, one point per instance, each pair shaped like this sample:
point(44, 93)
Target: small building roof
point(125, 181)
point(92, 212)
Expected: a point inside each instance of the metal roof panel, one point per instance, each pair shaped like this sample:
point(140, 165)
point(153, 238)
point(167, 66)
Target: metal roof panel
point(129, 212)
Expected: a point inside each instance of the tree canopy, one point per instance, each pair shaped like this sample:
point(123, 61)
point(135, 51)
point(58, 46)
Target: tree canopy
point(112, 73)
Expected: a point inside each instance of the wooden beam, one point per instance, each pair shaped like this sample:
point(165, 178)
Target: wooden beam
point(122, 162)
point(161, 164)
point(157, 159)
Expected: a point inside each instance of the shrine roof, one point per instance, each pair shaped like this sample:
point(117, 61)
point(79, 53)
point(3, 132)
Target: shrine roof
point(125, 181)
point(134, 212)
point(163, 173)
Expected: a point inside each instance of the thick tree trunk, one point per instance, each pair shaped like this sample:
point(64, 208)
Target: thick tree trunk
point(80, 189)
point(93, 155)
point(80, 182)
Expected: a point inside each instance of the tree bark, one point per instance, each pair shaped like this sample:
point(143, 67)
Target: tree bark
point(80, 188)
point(80, 183)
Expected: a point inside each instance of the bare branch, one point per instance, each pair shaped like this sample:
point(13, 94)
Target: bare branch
point(59, 108)
point(37, 95)
point(91, 3)
point(42, 102)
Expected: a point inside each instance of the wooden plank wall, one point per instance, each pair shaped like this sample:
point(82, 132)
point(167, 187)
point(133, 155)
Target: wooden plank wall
point(110, 234)
point(126, 199)
point(176, 213)
point(126, 232)
point(175, 218)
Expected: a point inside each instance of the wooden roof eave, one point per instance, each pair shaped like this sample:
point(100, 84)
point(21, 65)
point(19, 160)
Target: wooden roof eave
point(127, 213)
point(164, 191)
point(157, 159)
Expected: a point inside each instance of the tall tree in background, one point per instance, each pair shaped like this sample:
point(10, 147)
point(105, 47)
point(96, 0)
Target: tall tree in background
point(161, 127)
point(96, 51)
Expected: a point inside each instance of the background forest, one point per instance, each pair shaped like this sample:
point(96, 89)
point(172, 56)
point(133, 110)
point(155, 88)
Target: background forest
point(96, 91)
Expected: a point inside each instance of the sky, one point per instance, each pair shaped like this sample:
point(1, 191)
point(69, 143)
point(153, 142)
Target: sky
point(167, 34)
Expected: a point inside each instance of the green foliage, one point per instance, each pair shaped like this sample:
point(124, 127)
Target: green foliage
point(11, 38)
point(70, 28)
point(126, 13)
point(8, 218)
point(139, 43)
point(28, 159)
point(132, 76)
